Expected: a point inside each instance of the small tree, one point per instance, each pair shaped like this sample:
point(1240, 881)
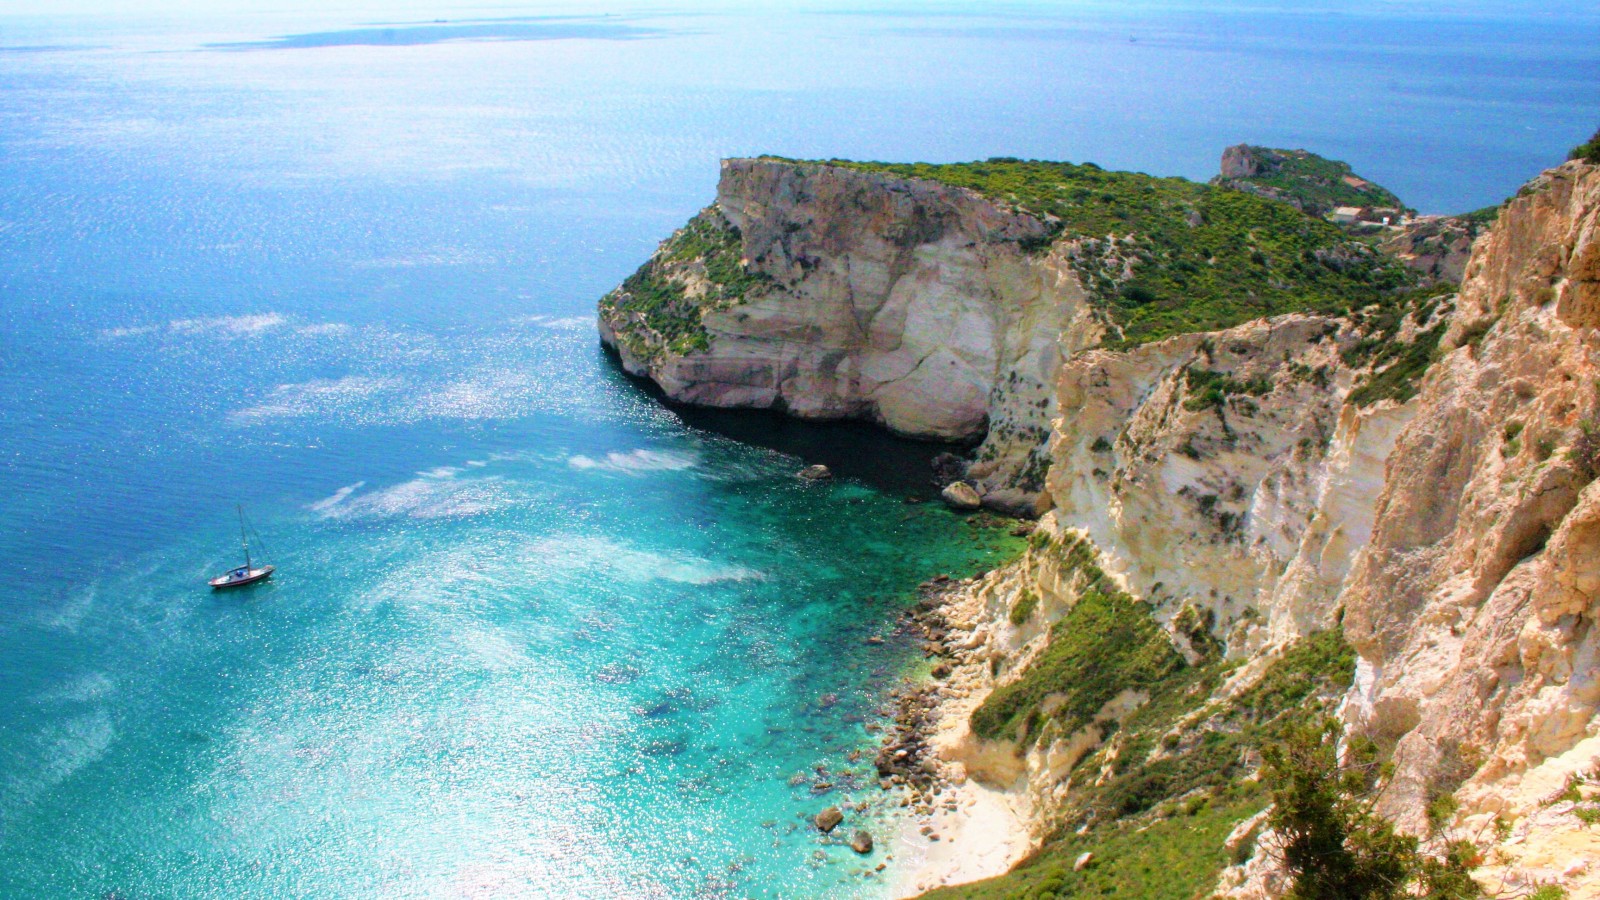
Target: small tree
point(1334, 845)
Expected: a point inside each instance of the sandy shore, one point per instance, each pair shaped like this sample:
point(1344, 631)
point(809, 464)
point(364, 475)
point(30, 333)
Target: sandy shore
point(980, 836)
point(958, 830)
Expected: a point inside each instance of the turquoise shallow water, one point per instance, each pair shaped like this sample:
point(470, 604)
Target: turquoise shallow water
point(534, 634)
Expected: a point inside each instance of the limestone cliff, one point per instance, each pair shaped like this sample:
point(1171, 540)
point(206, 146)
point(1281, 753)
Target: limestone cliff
point(1255, 486)
point(1475, 604)
point(918, 305)
point(941, 300)
point(1231, 496)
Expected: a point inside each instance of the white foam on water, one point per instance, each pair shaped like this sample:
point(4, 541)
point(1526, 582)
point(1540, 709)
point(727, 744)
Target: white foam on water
point(636, 462)
point(554, 323)
point(445, 256)
point(74, 743)
point(85, 688)
point(428, 497)
point(336, 498)
point(321, 329)
point(228, 326)
point(441, 472)
point(71, 613)
point(113, 334)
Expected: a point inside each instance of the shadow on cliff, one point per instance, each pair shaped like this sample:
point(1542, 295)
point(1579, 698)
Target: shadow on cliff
point(858, 450)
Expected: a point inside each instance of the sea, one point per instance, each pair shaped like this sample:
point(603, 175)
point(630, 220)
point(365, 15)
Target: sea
point(534, 633)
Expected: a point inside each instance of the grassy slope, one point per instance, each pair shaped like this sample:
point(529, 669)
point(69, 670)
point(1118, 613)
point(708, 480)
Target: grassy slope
point(1155, 802)
point(654, 296)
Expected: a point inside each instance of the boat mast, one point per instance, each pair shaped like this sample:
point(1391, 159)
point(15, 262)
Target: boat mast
point(243, 538)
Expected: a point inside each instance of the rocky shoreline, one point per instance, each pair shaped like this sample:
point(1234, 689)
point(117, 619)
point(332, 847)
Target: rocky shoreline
point(955, 830)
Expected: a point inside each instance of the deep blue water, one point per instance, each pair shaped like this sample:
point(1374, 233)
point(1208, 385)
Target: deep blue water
point(534, 634)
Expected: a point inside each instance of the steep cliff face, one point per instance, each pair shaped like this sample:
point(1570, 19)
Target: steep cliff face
point(922, 306)
point(1225, 471)
point(1474, 606)
point(1255, 487)
point(940, 300)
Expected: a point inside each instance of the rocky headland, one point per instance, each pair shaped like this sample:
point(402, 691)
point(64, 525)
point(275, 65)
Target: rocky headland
point(1282, 473)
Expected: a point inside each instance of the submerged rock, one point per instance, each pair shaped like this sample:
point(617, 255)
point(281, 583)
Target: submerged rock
point(817, 472)
point(960, 495)
point(828, 819)
point(861, 842)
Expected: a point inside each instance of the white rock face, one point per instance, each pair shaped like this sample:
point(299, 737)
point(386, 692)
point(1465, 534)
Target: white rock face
point(1251, 509)
point(901, 301)
point(1476, 602)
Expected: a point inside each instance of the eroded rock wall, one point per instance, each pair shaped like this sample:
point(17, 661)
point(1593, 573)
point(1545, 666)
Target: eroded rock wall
point(921, 306)
point(1474, 606)
point(1226, 472)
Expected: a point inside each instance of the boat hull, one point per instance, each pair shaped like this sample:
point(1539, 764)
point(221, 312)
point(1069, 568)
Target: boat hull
point(230, 580)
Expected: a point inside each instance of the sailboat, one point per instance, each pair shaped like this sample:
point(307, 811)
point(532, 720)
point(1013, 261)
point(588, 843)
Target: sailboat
point(248, 573)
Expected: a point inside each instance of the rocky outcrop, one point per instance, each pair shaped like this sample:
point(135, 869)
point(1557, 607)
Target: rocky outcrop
point(1437, 246)
point(1475, 604)
point(924, 307)
point(1302, 179)
point(1225, 472)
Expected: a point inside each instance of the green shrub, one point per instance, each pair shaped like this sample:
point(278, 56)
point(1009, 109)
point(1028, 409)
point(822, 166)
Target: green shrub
point(1022, 610)
point(1209, 389)
point(1589, 151)
point(1106, 643)
point(1333, 845)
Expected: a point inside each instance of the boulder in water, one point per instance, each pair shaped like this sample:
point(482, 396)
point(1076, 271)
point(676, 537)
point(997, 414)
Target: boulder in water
point(861, 842)
point(960, 495)
point(828, 819)
point(817, 472)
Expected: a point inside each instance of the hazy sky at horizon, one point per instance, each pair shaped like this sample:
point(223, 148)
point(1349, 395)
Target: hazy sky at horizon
point(136, 9)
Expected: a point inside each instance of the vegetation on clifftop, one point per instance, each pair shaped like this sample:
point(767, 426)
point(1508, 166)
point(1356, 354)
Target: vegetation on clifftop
point(1314, 183)
point(1166, 256)
point(1397, 364)
point(1589, 152)
point(661, 306)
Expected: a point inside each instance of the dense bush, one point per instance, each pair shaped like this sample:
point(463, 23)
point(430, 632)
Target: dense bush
point(1333, 845)
point(1589, 152)
point(1165, 790)
point(1106, 643)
